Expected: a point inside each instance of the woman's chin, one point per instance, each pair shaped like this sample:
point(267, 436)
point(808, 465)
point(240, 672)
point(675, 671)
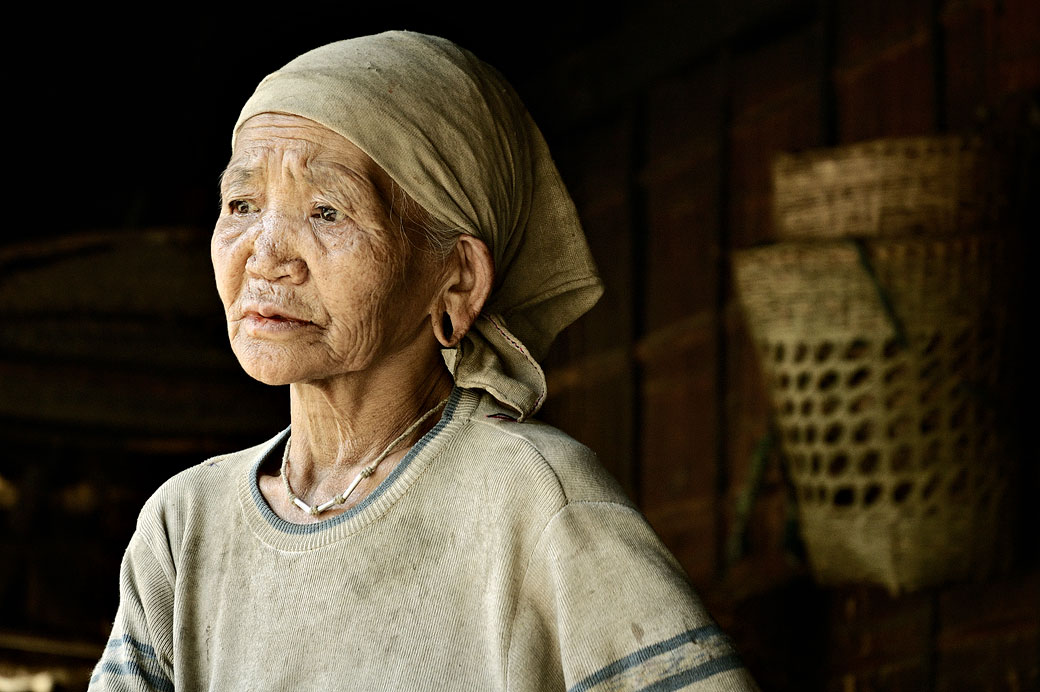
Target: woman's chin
point(264, 366)
point(267, 375)
point(268, 379)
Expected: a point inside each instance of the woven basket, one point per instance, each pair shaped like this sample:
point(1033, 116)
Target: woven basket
point(882, 357)
point(879, 188)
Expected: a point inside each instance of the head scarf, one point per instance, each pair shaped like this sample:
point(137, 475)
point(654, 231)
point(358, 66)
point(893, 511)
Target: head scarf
point(454, 135)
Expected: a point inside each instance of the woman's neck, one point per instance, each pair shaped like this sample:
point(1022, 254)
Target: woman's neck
point(343, 423)
point(340, 424)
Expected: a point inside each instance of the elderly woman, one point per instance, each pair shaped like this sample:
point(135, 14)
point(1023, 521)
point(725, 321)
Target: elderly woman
point(395, 244)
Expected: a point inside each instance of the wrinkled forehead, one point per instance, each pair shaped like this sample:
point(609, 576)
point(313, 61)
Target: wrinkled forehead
point(295, 135)
point(301, 147)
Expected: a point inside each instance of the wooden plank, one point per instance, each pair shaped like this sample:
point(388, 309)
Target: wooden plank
point(776, 106)
point(682, 245)
point(678, 401)
point(890, 95)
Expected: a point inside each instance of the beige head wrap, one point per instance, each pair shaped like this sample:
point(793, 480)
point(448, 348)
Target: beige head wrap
point(454, 135)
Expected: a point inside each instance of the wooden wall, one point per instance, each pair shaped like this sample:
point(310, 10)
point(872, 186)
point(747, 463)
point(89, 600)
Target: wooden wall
point(669, 162)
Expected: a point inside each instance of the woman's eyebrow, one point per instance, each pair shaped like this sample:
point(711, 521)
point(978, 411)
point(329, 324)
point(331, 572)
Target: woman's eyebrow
point(332, 173)
point(353, 188)
point(236, 175)
point(334, 176)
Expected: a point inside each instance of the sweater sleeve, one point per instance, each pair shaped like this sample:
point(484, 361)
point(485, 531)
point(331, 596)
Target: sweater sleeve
point(605, 606)
point(139, 654)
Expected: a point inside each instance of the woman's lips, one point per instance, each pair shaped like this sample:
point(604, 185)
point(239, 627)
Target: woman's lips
point(271, 321)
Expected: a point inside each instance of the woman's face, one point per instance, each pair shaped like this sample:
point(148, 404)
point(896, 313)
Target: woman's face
point(316, 278)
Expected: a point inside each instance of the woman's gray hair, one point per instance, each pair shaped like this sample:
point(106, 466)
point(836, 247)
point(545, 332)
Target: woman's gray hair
point(439, 237)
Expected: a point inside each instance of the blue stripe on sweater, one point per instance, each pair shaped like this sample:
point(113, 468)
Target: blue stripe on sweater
point(695, 674)
point(146, 668)
point(155, 680)
point(645, 654)
point(140, 647)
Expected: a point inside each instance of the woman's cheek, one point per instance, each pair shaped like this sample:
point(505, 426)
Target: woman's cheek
point(228, 258)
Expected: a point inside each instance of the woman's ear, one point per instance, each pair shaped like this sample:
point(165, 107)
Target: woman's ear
point(469, 275)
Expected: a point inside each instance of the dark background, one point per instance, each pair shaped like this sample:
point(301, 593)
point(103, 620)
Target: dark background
point(663, 117)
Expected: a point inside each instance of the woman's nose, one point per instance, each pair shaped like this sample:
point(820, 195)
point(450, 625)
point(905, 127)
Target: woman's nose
point(274, 256)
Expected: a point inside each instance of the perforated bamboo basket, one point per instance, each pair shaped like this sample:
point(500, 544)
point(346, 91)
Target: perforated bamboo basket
point(880, 188)
point(882, 359)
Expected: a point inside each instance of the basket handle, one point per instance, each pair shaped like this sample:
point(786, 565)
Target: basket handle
point(886, 302)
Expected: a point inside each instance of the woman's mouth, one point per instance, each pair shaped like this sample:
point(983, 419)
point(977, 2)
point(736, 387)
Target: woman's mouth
point(264, 321)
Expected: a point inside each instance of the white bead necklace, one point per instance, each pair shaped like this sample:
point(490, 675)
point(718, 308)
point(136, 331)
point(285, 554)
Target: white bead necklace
point(315, 510)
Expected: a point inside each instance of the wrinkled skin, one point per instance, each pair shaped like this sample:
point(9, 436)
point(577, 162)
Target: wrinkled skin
point(315, 279)
point(325, 290)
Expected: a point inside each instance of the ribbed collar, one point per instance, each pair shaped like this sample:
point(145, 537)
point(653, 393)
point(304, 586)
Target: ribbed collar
point(285, 535)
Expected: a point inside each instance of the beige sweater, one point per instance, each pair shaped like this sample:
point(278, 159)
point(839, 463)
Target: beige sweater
point(496, 556)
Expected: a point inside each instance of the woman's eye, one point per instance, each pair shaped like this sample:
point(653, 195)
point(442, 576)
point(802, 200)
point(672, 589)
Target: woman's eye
point(328, 214)
point(240, 206)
